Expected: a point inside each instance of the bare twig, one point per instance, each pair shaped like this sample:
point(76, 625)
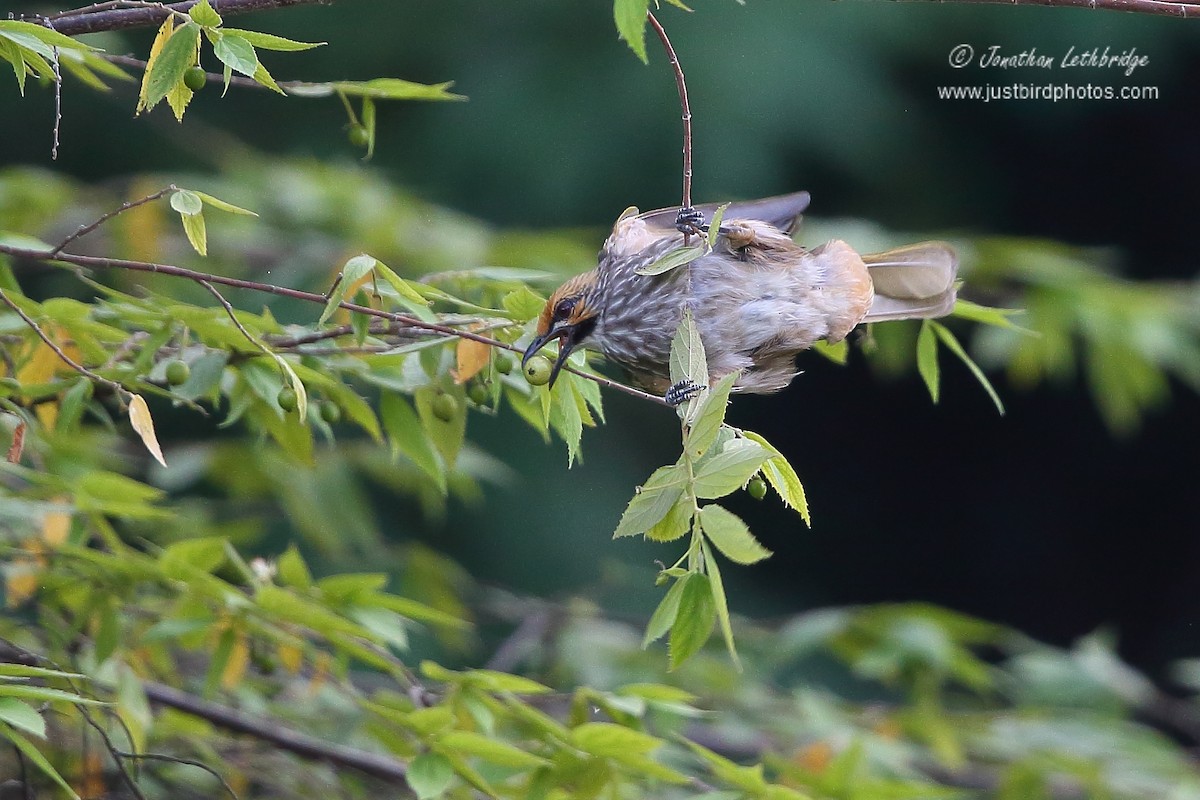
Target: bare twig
point(70, 362)
point(685, 107)
point(57, 104)
point(95, 262)
point(177, 760)
point(1168, 8)
point(273, 732)
point(86, 229)
point(119, 16)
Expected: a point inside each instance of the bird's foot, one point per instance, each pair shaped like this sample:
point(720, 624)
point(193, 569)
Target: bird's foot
point(690, 221)
point(681, 392)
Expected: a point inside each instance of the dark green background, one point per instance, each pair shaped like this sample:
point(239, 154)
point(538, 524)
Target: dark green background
point(1041, 519)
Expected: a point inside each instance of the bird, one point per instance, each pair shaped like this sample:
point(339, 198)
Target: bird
point(757, 297)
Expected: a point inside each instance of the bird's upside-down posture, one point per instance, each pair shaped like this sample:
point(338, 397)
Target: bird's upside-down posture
point(758, 298)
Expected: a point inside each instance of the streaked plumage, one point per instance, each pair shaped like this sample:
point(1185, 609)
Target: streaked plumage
point(758, 298)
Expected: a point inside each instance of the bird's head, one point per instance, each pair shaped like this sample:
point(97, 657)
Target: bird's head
point(569, 316)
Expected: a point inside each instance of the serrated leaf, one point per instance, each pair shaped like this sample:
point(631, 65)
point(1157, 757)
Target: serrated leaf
point(676, 523)
point(664, 615)
point(720, 603)
point(927, 363)
point(236, 53)
point(197, 235)
point(680, 256)
point(429, 775)
point(268, 41)
point(523, 304)
point(952, 344)
point(695, 620)
point(167, 66)
point(782, 478)
point(653, 501)
point(630, 17)
point(731, 535)
point(718, 475)
point(204, 14)
point(709, 416)
point(143, 426)
point(688, 361)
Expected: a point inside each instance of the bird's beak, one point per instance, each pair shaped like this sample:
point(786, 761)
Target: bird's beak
point(566, 343)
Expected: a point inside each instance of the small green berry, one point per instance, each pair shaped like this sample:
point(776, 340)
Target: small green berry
point(537, 371)
point(358, 135)
point(504, 364)
point(195, 78)
point(287, 399)
point(477, 393)
point(178, 372)
point(331, 412)
point(445, 407)
point(757, 487)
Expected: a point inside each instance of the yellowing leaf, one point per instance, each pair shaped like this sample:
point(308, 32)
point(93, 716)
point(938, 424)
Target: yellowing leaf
point(235, 667)
point(164, 33)
point(143, 425)
point(55, 525)
point(472, 357)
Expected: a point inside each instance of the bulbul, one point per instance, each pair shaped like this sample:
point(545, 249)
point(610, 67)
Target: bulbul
point(758, 298)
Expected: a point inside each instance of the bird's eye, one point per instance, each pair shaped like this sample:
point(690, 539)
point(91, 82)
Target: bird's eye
point(564, 308)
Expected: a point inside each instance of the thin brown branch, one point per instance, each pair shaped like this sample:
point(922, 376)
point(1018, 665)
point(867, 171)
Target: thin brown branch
point(58, 351)
point(86, 229)
point(177, 760)
point(1168, 8)
point(54, 63)
point(95, 262)
point(274, 732)
point(685, 107)
point(110, 17)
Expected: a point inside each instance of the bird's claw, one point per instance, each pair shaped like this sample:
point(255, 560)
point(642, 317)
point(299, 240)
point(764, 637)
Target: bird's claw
point(690, 221)
point(681, 392)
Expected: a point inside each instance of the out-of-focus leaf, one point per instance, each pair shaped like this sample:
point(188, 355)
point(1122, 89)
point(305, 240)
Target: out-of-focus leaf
point(695, 620)
point(927, 363)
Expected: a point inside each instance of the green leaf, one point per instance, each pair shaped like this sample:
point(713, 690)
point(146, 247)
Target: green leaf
point(380, 89)
point(838, 352)
point(709, 416)
point(653, 501)
point(193, 226)
point(675, 524)
point(714, 226)
point(684, 254)
point(15, 29)
point(173, 60)
point(721, 603)
point(268, 41)
point(927, 363)
point(447, 435)
point(688, 362)
point(354, 270)
point(236, 53)
point(429, 775)
point(664, 616)
point(747, 779)
point(783, 478)
point(21, 715)
point(523, 304)
point(952, 344)
point(487, 748)
point(293, 571)
point(203, 14)
point(695, 620)
point(368, 122)
point(630, 16)
point(718, 475)
point(408, 436)
point(35, 756)
point(606, 739)
point(731, 536)
point(187, 202)
point(987, 315)
point(220, 204)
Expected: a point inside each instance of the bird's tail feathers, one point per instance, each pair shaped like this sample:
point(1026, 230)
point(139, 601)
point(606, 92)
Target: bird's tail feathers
point(916, 281)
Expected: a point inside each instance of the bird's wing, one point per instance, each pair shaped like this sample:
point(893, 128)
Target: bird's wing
point(783, 211)
point(916, 281)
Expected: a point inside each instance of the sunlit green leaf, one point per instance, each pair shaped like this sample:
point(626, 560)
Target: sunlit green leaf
point(630, 16)
point(653, 501)
point(731, 535)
